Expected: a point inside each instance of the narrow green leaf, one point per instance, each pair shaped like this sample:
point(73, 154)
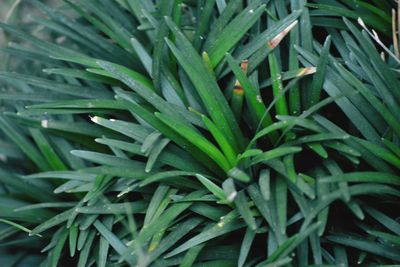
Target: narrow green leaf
point(73, 237)
point(291, 244)
point(18, 226)
point(229, 10)
point(371, 247)
point(242, 205)
point(385, 236)
point(275, 153)
point(155, 153)
point(252, 96)
point(176, 234)
point(114, 241)
point(239, 175)
point(290, 167)
point(104, 245)
point(223, 143)
point(145, 89)
point(56, 252)
point(384, 219)
point(45, 205)
point(196, 139)
point(135, 207)
point(59, 87)
point(233, 32)
point(106, 159)
point(379, 107)
point(264, 184)
point(60, 218)
point(380, 152)
point(277, 85)
point(80, 74)
point(318, 80)
point(191, 256)
point(319, 149)
point(84, 254)
point(203, 23)
point(246, 246)
point(206, 86)
point(29, 189)
point(24, 144)
point(47, 150)
point(151, 119)
point(212, 187)
point(143, 55)
point(159, 200)
point(373, 177)
point(168, 216)
point(227, 224)
point(395, 149)
point(281, 203)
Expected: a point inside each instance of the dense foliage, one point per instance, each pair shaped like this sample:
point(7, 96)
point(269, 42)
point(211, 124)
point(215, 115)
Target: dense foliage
point(200, 133)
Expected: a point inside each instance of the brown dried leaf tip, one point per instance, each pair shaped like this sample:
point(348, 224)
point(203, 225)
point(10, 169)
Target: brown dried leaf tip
point(238, 87)
point(306, 71)
point(277, 39)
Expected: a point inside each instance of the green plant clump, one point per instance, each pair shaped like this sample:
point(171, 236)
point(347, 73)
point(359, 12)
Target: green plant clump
point(200, 133)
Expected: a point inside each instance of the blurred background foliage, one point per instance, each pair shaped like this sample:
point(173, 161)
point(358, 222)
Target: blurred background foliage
point(16, 11)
